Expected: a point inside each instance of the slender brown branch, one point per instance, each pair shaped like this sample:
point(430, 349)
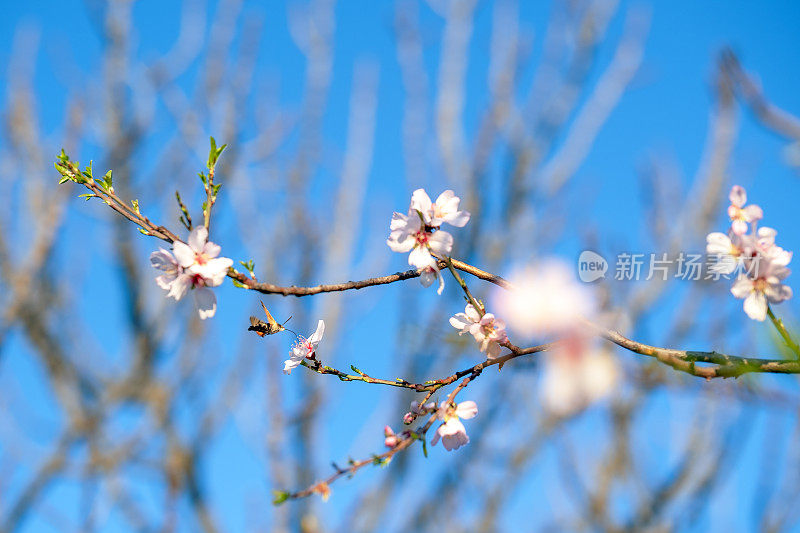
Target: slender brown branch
point(427, 386)
point(683, 360)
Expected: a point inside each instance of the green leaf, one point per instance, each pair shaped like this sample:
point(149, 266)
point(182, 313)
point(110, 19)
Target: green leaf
point(88, 196)
point(107, 180)
point(238, 284)
point(214, 153)
point(135, 204)
point(279, 496)
point(202, 177)
point(63, 157)
point(88, 171)
point(144, 231)
point(250, 266)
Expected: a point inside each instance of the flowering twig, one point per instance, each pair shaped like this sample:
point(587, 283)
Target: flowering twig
point(427, 386)
point(682, 360)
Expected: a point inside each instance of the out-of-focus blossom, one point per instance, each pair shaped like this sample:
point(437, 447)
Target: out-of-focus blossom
point(546, 300)
point(194, 266)
point(304, 349)
point(742, 216)
point(445, 209)
point(487, 330)
point(452, 431)
point(575, 375)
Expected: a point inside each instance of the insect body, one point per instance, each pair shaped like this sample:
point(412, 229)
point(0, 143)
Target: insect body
point(270, 327)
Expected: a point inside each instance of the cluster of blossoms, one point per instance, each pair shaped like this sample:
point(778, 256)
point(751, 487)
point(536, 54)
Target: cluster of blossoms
point(751, 250)
point(192, 265)
point(418, 232)
point(304, 348)
point(451, 431)
point(489, 332)
point(547, 302)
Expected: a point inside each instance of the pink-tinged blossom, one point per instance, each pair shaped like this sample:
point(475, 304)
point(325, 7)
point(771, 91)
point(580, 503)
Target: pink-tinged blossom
point(409, 234)
point(576, 375)
point(304, 348)
point(727, 252)
point(765, 244)
point(545, 300)
point(390, 438)
point(452, 431)
point(765, 286)
point(741, 216)
point(193, 266)
point(489, 332)
point(418, 409)
point(445, 209)
point(199, 258)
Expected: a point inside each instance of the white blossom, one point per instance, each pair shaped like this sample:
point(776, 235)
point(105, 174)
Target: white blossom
point(304, 348)
point(742, 216)
point(445, 209)
point(452, 432)
point(409, 234)
point(193, 266)
point(488, 330)
point(765, 287)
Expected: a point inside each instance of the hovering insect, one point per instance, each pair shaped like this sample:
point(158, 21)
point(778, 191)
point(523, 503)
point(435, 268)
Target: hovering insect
point(270, 327)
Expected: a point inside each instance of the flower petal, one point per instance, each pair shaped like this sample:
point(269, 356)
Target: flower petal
point(183, 254)
point(755, 305)
point(738, 196)
point(197, 238)
point(206, 302)
point(317, 335)
point(467, 409)
point(441, 242)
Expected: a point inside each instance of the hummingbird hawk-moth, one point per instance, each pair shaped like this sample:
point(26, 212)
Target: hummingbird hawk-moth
point(270, 327)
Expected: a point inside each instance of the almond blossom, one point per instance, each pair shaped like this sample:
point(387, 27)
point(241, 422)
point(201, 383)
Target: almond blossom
point(545, 300)
point(192, 266)
point(452, 431)
point(765, 287)
point(390, 438)
point(761, 262)
point(416, 410)
point(409, 234)
point(304, 348)
point(741, 216)
point(576, 375)
point(418, 232)
point(445, 209)
point(487, 330)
